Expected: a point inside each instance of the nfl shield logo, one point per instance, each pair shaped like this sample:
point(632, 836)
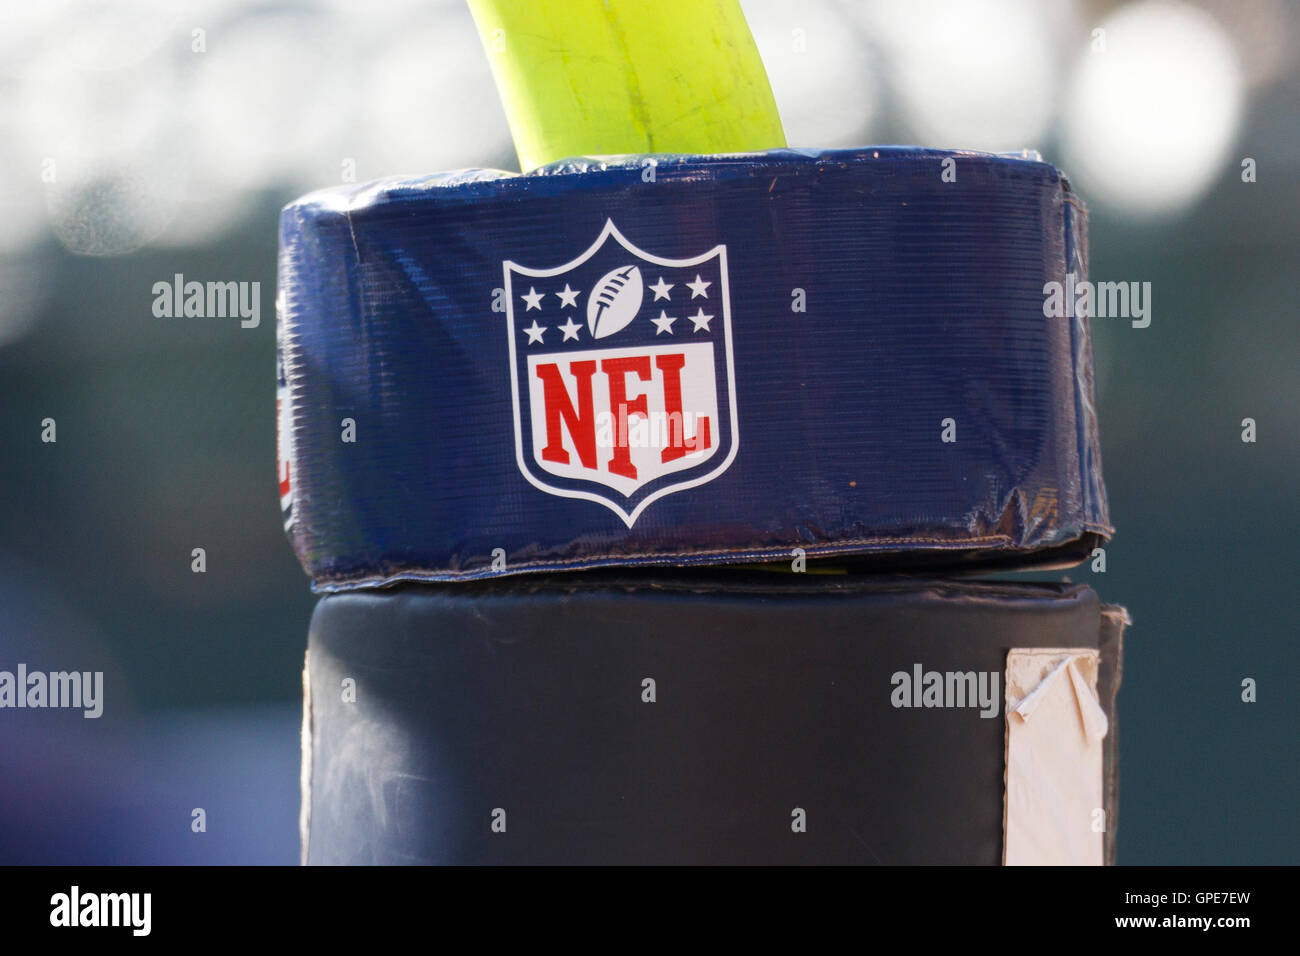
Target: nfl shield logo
point(623, 384)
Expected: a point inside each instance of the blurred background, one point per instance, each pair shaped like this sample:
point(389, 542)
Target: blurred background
point(144, 138)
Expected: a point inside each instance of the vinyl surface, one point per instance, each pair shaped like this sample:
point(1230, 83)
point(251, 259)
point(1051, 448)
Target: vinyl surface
point(479, 371)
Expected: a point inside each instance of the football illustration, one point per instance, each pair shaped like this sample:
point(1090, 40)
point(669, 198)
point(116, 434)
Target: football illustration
point(615, 301)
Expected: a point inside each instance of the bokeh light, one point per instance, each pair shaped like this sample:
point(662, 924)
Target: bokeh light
point(971, 74)
point(168, 125)
point(434, 105)
point(819, 66)
point(1150, 118)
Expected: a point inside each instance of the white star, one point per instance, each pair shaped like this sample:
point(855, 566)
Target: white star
point(534, 332)
point(569, 328)
point(698, 286)
point(664, 323)
point(701, 321)
point(660, 289)
point(569, 297)
point(533, 298)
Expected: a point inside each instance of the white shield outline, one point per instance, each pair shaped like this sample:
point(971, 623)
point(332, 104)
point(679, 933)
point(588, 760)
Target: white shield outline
point(629, 518)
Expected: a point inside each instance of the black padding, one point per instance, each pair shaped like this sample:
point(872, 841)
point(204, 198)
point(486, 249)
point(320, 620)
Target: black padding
point(773, 693)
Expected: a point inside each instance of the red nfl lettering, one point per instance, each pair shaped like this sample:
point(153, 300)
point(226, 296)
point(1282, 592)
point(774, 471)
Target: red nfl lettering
point(580, 423)
point(679, 444)
point(617, 370)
